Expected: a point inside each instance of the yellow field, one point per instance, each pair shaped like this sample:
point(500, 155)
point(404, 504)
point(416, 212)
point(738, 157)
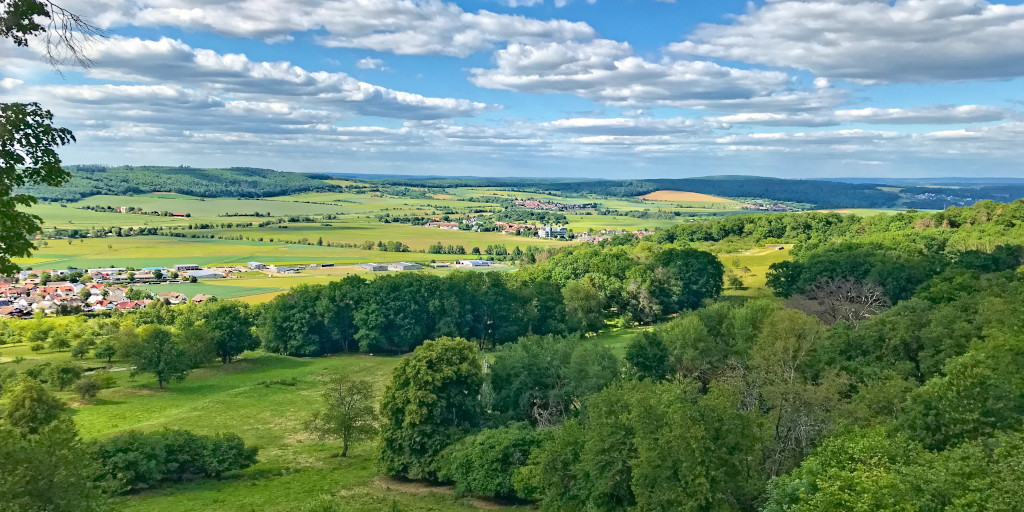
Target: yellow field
point(690, 197)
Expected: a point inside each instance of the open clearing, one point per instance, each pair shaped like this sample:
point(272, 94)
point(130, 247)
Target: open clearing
point(689, 197)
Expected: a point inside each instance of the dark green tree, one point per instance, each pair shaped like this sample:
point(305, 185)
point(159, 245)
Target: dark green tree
point(156, 351)
point(230, 326)
point(433, 400)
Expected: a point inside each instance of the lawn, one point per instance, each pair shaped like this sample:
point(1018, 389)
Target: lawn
point(757, 261)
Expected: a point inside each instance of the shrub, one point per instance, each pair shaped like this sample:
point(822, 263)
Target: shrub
point(483, 464)
point(144, 459)
point(87, 388)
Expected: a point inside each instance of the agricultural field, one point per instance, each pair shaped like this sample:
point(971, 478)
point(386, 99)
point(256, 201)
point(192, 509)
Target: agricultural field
point(687, 198)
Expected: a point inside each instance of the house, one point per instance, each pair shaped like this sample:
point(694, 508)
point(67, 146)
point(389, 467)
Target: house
point(403, 265)
point(444, 225)
point(472, 263)
point(255, 265)
point(185, 267)
point(206, 274)
point(201, 298)
point(373, 267)
point(173, 297)
point(179, 215)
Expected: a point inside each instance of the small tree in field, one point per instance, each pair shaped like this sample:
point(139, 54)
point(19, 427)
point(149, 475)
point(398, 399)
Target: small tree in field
point(155, 351)
point(349, 413)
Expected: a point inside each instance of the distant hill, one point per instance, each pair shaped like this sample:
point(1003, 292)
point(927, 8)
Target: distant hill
point(90, 180)
point(823, 194)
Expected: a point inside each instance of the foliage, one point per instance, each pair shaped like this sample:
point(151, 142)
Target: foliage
point(154, 350)
point(64, 374)
point(28, 407)
point(88, 388)
point(348, 414)
point(143, 459)
point(650, 446)
point(49, 470)
point(433, 399)
point(90, 180)
point(230, 325)
point(541, 379)
point(484, 463)
point(28, 156)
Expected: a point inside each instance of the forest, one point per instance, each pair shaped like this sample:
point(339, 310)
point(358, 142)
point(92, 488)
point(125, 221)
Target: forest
point(91, 180)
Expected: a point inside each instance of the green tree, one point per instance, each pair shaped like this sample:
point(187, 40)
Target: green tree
point(348, 412)
point(28, 156)
point(648, 356)
point(88, 388)
point(29, 407)
point(156, 351)
point(541, 379)
point(433, 400)
point(230, 326)
point(105, 349)
point(50, 471)
point(484, 463)
point(981, 392)
point(64, 374)
point(584, 307)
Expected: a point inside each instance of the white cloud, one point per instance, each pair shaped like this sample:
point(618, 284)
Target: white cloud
point(873, 40)
point(370, 63)
point(607, 72)
point(944, 114)
point(172, 61)
point(398, 26)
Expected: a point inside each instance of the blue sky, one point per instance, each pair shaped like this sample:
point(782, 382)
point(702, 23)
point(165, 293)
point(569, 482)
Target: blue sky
point(589, 88)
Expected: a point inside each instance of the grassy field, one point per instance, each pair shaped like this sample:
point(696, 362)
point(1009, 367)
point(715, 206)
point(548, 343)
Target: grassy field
point(752, 267)
point(265, 399)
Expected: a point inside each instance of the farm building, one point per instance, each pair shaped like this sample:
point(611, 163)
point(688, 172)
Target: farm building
point(403, 265)
point(206, 274)
point(185, 267)
point(373, 267)
point(255, 265)
point(472, 263)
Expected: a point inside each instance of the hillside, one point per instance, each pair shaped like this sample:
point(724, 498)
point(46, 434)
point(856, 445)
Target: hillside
point(91, 180)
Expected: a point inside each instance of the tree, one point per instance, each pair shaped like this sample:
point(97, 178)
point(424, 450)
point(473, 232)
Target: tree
point(535, 379)
point(648, 356)
point(84, 294)
point(29, 407)
point(105, 349)
point(64, 374)
point(155, 351)
point(88, 388)
point(27, 157)
point(50, 471)
point(81, 349)
point(484, 464)
point(584, 307)
point(348, 414)
point(433, 400)
point(230, 326)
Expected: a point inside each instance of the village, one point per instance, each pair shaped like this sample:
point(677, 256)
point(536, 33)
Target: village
point(548, 231)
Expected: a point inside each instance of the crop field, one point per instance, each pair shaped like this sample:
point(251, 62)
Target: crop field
point(678, 196)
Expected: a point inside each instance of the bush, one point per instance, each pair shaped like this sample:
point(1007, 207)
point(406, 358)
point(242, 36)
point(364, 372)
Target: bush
point(143, 459)
point(483, 464)
point(87, 388)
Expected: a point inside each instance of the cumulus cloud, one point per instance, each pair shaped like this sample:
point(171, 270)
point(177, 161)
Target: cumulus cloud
point(370, 63)
point(398, 26)
point(607, 72)
point(172, 61)
point(873, 40)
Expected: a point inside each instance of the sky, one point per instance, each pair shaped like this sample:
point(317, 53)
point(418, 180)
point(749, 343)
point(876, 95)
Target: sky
point(557, 88)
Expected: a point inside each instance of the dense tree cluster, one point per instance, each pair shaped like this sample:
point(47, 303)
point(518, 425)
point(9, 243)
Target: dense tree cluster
point(574, 291)
point(91, 180)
